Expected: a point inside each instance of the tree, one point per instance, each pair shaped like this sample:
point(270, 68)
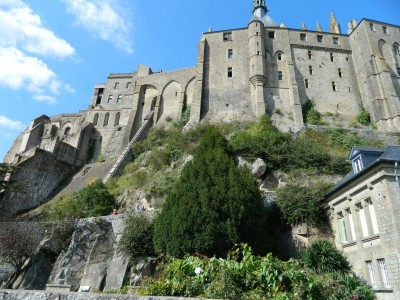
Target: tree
point(18, 242)
point(213, 206)
point(5, 184)
point(303, 204)
point(137, 238)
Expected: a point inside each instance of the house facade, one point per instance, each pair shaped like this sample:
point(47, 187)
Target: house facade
point(365, 214)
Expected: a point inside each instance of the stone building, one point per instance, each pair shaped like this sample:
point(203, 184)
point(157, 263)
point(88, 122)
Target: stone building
point(365, 214)
point(240, 74)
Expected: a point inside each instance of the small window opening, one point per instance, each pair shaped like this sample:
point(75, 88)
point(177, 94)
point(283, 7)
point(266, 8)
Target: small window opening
point(334, 87)
point(320, 38)
point(117, 117)
point(230, 53)
point(306, 83)
point(271, 34)
point(347, 58)
point(95, 119)
point(258, 53)
point(398, 71)
point(340, 72)
point(332, 57)
point(335, 40)
point(176, 94)
point(116, 85)
point(128, 85)
point(371, 26)
point(303, 37)
point(385, 31)
point(119, 99)
point(279, 56)
point(396, 49)
point(280, 75)
point(230, 72)
point(99, 97)
point(227, 36)
point(109, 100)
point(106, 119)
point(310, 69)
point(309, 54)
point(67, 131)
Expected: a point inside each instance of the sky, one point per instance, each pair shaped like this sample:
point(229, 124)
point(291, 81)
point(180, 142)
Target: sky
point(53, 52)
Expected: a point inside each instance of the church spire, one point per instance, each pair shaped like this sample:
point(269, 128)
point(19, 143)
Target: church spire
point(334, 27)
point(319, 28)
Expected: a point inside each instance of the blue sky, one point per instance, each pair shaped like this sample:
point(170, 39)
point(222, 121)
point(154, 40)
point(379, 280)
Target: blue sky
point(52, 52)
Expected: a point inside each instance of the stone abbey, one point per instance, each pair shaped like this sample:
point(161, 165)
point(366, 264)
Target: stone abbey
point(240, 74)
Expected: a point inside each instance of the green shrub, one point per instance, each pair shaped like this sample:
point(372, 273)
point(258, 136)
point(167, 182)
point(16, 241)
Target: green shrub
point(303, 204)
point(364, 117)
point(311, 115)
point(323, 257)
point(92, 201)
point(137, 238)
point(242, 275)
point(345, 139)
point(213, 205)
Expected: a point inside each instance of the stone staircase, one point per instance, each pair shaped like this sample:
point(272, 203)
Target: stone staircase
point(124, 158)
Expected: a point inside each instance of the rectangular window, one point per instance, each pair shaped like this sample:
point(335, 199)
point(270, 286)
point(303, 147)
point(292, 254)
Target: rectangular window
point(334, 87)
point(280, 75)
point(116, 85)
point(335, 40)
point(128, 85)
point(371, 273)
point(372, 215)
point(109, 100)
point(230, 72)
point(119, 99)
point(385, 31)
point(371, 26)
point(347, 58)
point(271, 34)
point(303, 37)
point(398, 71)
point(340, 72)
point(227, 36)
point(332, 56)
point(320, 38)
point(230, 53)
point(384, 273)
point(358, 166)
point(279, 56)
point(310, 69)
point(363, 220)
point(342, 230)
point(352, 228)
point(309, 54)
point(306, 83)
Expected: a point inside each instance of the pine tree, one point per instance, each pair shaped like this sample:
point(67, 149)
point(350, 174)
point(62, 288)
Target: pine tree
point(213, 206)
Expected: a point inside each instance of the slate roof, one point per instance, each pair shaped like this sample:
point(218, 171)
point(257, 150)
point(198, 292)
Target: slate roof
point(388, 154)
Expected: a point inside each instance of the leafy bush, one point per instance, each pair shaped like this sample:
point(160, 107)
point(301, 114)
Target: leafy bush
point(303, 204)
point(311, 115)
point(364, 117)
point(345, 139)
point(323, 257)
point(246, 276)
point(282, 151)
point(92, 201)
point(137, 238)
point(213, 205)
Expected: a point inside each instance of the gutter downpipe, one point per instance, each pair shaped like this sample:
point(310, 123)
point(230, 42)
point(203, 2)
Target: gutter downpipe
point(396, 174)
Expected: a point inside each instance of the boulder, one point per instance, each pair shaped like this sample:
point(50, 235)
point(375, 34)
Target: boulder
point(244, 163)
point(259, 167)
point(116, 272)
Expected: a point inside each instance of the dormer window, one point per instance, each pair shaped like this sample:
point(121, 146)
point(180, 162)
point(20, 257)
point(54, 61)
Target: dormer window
point(357, 165)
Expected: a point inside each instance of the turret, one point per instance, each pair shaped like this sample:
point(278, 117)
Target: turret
point(260, 14)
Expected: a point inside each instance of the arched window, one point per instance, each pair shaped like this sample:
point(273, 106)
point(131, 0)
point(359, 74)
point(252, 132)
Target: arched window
point(117, 116)
point(67, 131)
point(106, 118)
point(396, 49)
point(95, 119)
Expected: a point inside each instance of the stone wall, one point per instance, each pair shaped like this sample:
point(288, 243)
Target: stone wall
point(36, 295)
point(39, 175)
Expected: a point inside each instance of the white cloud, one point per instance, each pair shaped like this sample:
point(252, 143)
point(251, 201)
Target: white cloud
point(10, 124)
point(22, 28)
point(23, 37)
point(104, 19)
point(19, 70)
